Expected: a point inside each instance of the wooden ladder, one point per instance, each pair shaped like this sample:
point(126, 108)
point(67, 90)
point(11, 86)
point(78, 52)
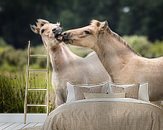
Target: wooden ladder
point(28, 72)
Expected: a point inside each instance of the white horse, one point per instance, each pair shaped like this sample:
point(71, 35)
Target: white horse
point(68, 67)
point(120, 61)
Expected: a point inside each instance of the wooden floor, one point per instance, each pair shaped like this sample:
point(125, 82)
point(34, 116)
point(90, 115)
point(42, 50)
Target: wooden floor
point(17, 126)
point(15, 121)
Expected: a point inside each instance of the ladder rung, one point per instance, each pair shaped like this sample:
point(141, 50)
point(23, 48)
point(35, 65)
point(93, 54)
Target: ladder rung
point(37, 89)
point(39, 56)
point(36, 105)
point(38, 70)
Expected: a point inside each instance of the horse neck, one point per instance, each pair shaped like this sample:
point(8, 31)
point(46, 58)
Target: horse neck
point(113, 54)
point(60, 57)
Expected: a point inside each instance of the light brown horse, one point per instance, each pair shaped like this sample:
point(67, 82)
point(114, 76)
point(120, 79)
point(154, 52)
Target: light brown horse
point(121, 62)
point(68, 67)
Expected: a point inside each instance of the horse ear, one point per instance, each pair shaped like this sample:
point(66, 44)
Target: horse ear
point(58, 23)
point(34, 29)
point(41, 22)
point(104, 26)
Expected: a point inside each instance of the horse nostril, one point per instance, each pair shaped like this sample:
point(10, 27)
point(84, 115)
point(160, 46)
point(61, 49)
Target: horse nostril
point(65, 34)
point(57, 31)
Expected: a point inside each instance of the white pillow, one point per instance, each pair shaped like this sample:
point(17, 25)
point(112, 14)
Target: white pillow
point(71, 92)
point(143, 92)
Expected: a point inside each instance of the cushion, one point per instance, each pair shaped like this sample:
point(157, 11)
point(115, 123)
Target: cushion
point(130, 90)
point(103, 95)
point(79, 91)
point(70, 93)
point(143, 92)
point(76, 92)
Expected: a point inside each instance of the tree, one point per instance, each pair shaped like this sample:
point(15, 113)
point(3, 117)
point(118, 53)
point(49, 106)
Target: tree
point(126, 17)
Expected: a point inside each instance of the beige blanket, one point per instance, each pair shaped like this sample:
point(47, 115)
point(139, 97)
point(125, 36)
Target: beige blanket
point(105, 114)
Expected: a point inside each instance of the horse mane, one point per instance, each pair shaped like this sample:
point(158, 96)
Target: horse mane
point(121, 40)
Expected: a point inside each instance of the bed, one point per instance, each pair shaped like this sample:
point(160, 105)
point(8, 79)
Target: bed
point(106, 114)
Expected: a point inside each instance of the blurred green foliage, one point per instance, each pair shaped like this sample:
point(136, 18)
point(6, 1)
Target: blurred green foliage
point(144, 47)
point(80, 51)
point(156, 49)
point(127, 17)
point(14, 60)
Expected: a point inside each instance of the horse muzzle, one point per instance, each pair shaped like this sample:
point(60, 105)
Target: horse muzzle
point(58, 33)
point(66, 37)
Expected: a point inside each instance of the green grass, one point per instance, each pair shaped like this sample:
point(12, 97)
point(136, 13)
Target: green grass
point(12, 91)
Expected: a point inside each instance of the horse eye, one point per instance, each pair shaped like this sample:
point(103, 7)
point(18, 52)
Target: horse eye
point(87, 32)
point(42, 31)
point(42, 24)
